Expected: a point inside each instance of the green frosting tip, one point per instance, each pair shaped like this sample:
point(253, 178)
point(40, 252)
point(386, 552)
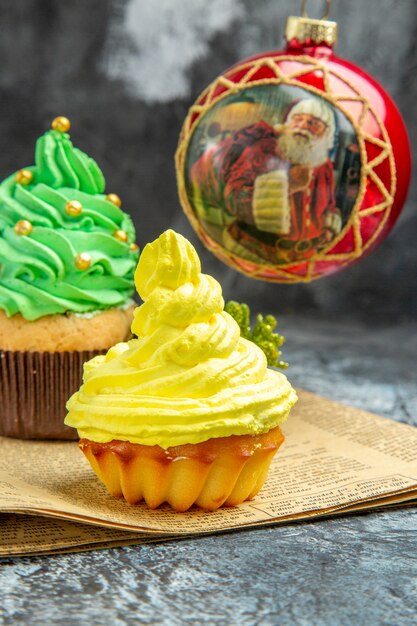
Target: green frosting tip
point(60, 164)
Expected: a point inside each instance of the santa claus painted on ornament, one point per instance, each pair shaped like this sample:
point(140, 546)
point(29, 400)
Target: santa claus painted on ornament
point(275, 184)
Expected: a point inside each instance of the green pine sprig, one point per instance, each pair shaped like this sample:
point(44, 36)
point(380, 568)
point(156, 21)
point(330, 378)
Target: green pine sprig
point(262, 333)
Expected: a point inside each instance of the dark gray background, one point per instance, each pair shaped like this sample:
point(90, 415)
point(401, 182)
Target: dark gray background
point(125, 73)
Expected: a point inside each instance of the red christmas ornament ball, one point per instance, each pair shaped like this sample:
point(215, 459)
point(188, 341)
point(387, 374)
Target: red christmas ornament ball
point(293, 164)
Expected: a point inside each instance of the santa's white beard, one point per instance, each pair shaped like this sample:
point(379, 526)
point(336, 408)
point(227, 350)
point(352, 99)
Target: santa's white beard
point(303, 149)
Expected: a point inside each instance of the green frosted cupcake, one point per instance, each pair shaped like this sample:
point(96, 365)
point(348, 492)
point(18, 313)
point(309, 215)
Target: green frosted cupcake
point(67, 258)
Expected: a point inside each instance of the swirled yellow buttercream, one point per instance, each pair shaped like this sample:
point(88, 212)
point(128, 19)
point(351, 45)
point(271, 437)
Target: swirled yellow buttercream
point(189, 376)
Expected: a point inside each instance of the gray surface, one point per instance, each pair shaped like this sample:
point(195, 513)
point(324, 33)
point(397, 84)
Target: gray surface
point(354, 570)
point(126, 71)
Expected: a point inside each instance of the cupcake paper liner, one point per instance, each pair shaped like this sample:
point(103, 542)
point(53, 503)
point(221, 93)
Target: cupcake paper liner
point(34, 389)
point(219, 472)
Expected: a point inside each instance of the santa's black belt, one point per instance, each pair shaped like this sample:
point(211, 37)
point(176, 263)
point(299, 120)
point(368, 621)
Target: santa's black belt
point(300, 245)
point(241, 228)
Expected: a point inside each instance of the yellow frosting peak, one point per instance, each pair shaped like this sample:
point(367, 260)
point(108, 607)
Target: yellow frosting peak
point(170, 261)
point(189, 376)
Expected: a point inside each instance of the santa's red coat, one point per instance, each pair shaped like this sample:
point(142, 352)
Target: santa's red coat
point(225, 175)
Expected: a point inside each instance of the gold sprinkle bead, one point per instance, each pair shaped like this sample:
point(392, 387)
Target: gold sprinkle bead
point(61, 124)
point(120, 235)
point(134, 247)
point(24, 177)
point(73, 208)
point(82, 261)
point(114, 199)
point(23, 227)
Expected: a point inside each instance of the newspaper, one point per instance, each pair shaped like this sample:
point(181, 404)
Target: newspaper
point(336, 459)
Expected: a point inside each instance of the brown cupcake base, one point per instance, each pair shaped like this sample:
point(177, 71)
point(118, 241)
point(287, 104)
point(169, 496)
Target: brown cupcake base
point(34, 389)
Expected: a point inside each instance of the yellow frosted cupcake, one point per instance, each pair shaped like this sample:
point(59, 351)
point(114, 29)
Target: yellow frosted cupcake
point(189, 412)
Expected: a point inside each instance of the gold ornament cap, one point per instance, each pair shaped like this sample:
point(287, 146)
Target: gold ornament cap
point(304, 28)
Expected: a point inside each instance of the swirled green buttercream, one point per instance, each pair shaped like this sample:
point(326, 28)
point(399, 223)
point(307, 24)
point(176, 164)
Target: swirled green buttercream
point(38, 271)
